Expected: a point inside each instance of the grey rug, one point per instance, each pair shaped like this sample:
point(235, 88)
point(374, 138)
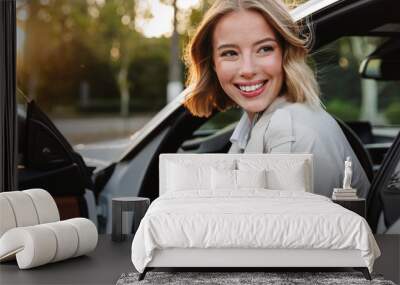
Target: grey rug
point(230, 278)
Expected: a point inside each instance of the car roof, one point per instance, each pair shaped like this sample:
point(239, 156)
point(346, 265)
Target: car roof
point(310, 7)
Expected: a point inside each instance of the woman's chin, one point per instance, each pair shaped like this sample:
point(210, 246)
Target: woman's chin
point(257, 105)
point(252, 109)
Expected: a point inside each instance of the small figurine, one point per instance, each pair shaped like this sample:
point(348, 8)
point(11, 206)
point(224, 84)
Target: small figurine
point(348, 173)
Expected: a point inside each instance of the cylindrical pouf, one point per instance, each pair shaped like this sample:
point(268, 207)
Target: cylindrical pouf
point(45, 205)
point(67, 239)
point(87, 235)
point(23, 208)
point(7, 218)
point(40, 244)
point(33, 246)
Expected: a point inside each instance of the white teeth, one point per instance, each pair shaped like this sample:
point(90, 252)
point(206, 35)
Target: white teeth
point(250, 88)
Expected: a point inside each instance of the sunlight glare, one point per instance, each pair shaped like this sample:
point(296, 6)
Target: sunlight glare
point(187, 4)
point(160, 24)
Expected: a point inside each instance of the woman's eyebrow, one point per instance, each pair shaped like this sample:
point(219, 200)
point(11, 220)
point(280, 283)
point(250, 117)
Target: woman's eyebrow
point(267, 39)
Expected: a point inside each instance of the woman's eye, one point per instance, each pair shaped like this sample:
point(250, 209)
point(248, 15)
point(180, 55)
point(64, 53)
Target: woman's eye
point(266, 49)
point(228, 53)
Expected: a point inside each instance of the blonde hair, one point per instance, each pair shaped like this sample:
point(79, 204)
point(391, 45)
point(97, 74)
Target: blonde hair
point(206, 94)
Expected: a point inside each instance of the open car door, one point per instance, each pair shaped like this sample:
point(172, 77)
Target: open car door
point(48, 161)
point(383, 203)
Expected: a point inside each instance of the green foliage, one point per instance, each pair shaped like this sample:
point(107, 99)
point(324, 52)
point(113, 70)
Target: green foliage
point(392, 113)
point(69, 43)
point(344, 110)
point(148, 73)
point(336, 80)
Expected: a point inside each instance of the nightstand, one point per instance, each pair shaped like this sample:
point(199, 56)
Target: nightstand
point(357, 205)
point(137, 205)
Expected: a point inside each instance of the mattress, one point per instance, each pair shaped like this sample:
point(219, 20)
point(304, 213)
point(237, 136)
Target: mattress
point(250, 219)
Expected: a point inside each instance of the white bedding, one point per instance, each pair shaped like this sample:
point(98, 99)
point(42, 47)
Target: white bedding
point(251, 218)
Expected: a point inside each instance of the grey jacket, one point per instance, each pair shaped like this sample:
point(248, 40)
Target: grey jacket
point(299, 128)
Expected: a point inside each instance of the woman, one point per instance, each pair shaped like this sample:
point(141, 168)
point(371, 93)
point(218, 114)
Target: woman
point(250, 54)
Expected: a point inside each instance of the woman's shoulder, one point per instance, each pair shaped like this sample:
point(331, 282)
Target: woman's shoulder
point(288, 115)
point(306, 112)
point(313, 121)
point(304, 107)
point(281, 103)
point(302, 116)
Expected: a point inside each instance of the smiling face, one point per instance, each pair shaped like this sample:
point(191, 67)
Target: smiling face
point(247, 60)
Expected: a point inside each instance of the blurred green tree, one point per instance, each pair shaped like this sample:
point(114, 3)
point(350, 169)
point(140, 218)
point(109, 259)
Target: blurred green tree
point(112, 24)
point(84, 47)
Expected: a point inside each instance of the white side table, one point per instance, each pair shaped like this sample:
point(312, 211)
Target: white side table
point(137, 205)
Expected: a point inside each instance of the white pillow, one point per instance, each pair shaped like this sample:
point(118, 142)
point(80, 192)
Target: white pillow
point(282, 174)
point(251, 178)
point(293, 179)
point(223, 179)
point(183, 175)
point(226, 179)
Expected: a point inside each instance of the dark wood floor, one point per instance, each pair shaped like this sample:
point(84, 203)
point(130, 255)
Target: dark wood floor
point(389, 262)
point(110, 260)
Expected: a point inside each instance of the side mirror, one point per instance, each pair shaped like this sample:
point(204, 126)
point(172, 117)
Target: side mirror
point(384, 63)
point(380, 68)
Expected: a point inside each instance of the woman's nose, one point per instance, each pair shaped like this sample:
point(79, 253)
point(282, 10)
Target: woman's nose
point(248, 67)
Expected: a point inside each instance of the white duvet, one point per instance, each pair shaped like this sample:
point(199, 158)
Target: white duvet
point(252, 218)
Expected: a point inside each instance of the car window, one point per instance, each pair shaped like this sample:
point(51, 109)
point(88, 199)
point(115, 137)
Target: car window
point(347, 95)
point(222, 119)
point(213, 136)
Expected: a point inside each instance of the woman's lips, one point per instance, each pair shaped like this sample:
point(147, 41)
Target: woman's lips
point(254, 93)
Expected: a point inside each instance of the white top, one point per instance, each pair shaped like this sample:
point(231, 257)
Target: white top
point(299, 128)
point(241, 134)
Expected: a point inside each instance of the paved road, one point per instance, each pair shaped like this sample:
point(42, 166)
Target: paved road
point(95, 129)
point(100, 140)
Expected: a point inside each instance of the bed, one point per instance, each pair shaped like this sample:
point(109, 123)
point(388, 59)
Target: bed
point(246, 211)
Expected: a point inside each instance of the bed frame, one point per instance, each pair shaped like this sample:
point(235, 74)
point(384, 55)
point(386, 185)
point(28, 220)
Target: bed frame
point(240, 259)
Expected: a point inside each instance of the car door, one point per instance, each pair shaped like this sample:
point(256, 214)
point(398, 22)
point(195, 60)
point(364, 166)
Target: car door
point(47, 160)
point(383, 201)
